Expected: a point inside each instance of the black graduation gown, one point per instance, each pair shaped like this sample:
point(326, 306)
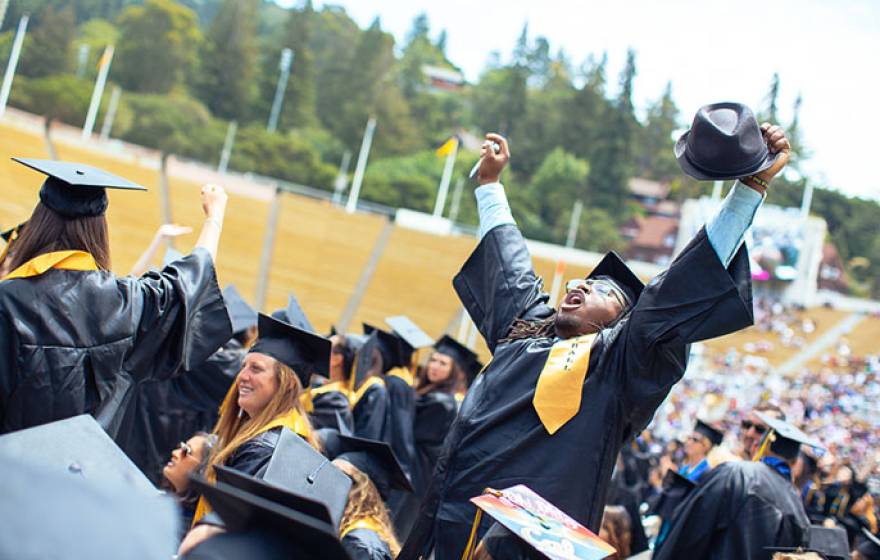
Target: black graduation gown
point(372, 414)
point(737, 510)
point(497, 440)
point(328, 407)
point(621, 495)
point(364, 544)
point(171, 411)
point(402, 409)
point(252, 457)
point(74, 342)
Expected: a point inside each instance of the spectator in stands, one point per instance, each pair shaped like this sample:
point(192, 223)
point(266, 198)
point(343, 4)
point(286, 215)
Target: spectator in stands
point(76, 339)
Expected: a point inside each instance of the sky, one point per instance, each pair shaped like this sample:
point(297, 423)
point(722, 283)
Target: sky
point(710, 50)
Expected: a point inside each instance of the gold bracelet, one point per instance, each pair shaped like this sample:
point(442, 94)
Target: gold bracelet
point(758, 181)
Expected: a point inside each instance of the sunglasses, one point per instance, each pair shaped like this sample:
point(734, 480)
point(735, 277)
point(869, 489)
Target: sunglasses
point(186, 448)
point(748, 425)
point(605, 289)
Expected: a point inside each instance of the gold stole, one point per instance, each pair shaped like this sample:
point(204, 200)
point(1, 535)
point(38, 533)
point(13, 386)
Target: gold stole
point(63, 260)
point(558, 393)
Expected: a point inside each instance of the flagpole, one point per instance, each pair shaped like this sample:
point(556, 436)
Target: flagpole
point(358, 178)
point(341, 178)
point(227, 146)
point(13, 62)
point(284, 66)
point(98, 92)
point(111, 113)
point(559, 273)
point(445, 179)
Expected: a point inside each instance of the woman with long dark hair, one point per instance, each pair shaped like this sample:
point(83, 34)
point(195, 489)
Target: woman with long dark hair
point(74, 337)
point(189, 458)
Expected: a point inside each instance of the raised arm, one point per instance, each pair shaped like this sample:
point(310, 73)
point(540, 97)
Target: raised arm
point(214, 204)
point(164, 232)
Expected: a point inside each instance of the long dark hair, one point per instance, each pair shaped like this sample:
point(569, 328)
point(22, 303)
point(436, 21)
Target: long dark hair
point(455, 383)
point(48, 231)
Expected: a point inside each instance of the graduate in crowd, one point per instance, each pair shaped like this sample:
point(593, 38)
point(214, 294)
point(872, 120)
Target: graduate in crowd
point(752, 429)
point(78, 339)
point(369, 396)
point(567, 387)
point(741, 507)
point(265, 398)
point(330, 401)
point(697, 448)
point(168, 411)
point(190, 457)
point(10, 236)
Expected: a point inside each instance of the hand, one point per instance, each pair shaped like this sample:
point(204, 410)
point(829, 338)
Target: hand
point(491, 164)
point(196, 536)
point(776, 143)
point(173, 230)
point(214, 201)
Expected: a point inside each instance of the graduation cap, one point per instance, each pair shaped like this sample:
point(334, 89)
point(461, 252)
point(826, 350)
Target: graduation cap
point(265, 529)
point(12, 234)
point(242, 315)
point(79, 449)
point(48, 513)
point(391, 347)
point(375, 459)
point(784, 439)
point(713, 434)
point(299, 468)
point(463, 356)
point(614, 268)
point(831, 543)
point(76, 190)
point(303, 351)
point(412, 336)
point(675, 488)
point(294, 315)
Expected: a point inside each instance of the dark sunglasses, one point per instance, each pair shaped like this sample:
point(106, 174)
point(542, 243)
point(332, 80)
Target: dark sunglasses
point(748, 425)
point(186, 448)
point(603, 288)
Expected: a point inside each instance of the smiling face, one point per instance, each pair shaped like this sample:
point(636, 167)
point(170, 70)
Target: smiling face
point(588, 306)
point(696, 448)
point(184, 460)
point(439, 368)
point(257, 383)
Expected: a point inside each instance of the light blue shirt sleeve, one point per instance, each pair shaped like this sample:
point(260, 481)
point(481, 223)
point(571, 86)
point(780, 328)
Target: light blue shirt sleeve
point(726, 231)
point(492, 207)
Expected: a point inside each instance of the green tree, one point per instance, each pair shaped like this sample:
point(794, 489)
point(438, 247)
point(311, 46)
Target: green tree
point(96, 34)
point(559, 181)
point(47, 49)
point(226, 77)
point(655, 158)
point(300, 98)
point(158, 47)
point(64, 97)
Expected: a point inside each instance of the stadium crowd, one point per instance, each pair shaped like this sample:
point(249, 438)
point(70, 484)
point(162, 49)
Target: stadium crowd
point(276, 441)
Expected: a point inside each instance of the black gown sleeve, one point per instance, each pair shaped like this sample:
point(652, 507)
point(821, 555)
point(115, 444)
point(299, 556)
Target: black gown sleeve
point(363, 544)
point(434, 414)
point(252, 456)
point(497, 284)
point(205, 386)
point(181, 317)
point(371, 415)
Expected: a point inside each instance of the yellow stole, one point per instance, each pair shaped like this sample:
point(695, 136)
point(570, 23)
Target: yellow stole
point(402, 373)
point(558, 392)
point(292, 420)
point(307, 398)
point(359, 393)
point(368, 523)
point(63, 260)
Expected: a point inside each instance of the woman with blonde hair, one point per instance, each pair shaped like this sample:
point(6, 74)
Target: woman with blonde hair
point(265, 398)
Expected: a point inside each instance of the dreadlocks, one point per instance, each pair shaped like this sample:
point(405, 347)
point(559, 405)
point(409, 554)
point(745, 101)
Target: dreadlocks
point(543, 328)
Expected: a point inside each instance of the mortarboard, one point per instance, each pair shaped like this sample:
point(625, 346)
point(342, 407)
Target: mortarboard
point(391, 347)
point(12, 234)
point(291, 533)
point(785, 439)
point(462, 355)
point(713, 434)
point(613, 267)
point(294, 314)
point(76, 189)
point(413, 337)
point(78, 448)
point(675, 488)
point(242, 315)
point(305, 352)
point(375, 459)
point(363, 367)
point(299, 468)
point(831, 543)
point(50, 513)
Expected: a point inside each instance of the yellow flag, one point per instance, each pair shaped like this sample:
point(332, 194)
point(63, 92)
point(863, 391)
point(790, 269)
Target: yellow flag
point(105, 58)
point(448, 147)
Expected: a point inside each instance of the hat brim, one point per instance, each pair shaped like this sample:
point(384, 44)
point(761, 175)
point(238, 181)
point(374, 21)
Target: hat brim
point(691, 170)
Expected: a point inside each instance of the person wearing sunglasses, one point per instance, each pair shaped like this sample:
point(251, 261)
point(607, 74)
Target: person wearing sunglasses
point(191, 456)
point(569, 385)
point(752, 428)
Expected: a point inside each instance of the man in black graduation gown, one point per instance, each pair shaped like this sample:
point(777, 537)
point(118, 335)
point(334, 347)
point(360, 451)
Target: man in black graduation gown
point(639, 352)
point(741, 507)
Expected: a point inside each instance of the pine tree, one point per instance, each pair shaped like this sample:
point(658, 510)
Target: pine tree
point(48, 47)
point(226, 77)
point(654, 157)
point(299, 102)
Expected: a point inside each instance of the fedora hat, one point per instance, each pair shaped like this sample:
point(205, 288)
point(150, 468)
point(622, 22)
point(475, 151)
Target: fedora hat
point(724, 142)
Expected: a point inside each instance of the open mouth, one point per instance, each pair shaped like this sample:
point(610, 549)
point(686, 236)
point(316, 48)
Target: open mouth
point(244, 391)
point(573, 299)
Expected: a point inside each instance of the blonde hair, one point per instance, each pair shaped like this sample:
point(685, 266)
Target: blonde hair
point(364, 502)
point(234, 427)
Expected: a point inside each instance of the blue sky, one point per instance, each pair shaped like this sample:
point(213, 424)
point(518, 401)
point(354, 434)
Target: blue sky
point(711, 51)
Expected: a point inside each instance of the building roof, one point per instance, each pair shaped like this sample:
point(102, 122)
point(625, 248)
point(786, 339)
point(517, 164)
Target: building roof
point(648, 189)
point(655, 232)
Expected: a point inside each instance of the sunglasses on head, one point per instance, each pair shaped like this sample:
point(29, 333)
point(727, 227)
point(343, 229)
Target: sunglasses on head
point(603, 288)
point(748, 425)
